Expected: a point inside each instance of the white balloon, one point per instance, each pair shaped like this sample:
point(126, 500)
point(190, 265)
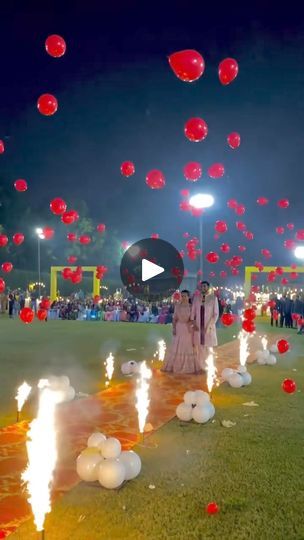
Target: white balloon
point(235, 380)
point(211, 409)
point(190, 397)
point(111, 473)
point(128, 368)
point(95, 440)
point(64, 381)
point(87, 464)
point(271, 360)
point(262, 357)
point(201, 414)
point(201, 397)
point(241, 369)
point(227, 371)
point(69, 393)
point(274, 348)
point(184, 412)
point(131, 462)
point(54, 383)
point(110, 448)
point(247, 379)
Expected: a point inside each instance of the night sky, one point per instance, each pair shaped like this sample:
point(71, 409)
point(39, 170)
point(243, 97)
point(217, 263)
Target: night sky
point(119, 100)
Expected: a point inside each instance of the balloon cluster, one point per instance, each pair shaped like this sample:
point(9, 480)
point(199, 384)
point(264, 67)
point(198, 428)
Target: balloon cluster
point(265, 357)
point(105, 462)
point(101, 270)
point(248, 324)
point(236, 378)
point(196, 406)
point(75, 276)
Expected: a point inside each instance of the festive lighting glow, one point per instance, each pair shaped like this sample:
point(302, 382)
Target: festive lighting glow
point(211, 369)
point(109, 363)
point(42, 457)
point(201, 200)
point(161, 350)
point(244, 350)
point(142, 395)
point(23, 393)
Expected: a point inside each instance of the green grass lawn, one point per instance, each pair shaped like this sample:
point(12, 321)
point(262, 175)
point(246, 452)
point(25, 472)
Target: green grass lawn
point(253, 470)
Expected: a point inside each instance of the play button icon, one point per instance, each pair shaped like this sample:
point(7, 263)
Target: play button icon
point(151, 269)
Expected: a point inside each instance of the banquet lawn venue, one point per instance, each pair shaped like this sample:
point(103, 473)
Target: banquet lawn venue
point(248, 458)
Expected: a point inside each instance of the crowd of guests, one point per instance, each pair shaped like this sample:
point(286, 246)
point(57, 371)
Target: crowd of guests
point(287, 311)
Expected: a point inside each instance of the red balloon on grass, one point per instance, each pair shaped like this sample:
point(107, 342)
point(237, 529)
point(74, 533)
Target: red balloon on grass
point(212, 257)
point(155, 179)
point(262, 201)
point(26, 315)
point(18, 239)
point(47, 104)
point(85, 239)
point(188, 65)
point(42, 314)
point(196, 129)
point(248, 325)
point(127, 168)
point(2, 285)
point(68, 217)
point(2, 147)
point(234, 140)
point(217, 170)
point(193, 171)
point(212, 508)
point(101, 228)
point(58, 206)
point(3, 240)
point(7, 267)
point(289, 386)
point(283, 203)
point(228, 70)
point(48, 233)
point(55, 46)
point(20, 185)
point(283, 346)
point(227, 319)
point(72, 237)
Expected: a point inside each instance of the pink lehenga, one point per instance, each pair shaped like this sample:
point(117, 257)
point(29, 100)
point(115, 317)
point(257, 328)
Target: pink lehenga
point(181, 356)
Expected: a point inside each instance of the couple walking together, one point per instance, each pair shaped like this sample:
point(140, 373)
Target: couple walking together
point(194, 331)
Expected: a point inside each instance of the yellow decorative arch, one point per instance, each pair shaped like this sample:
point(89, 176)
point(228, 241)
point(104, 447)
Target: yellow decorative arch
point(56, 269)
point(254, 270)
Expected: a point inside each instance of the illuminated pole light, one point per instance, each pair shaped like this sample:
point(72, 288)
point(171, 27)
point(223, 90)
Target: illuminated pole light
point(142, 395)
point(200, 201)
point(109, 364)
point(244, 349)
point(299, 252)
point(211, 369)
point(23, 393)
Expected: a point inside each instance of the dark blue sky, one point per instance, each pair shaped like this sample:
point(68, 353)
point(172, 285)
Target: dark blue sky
point(118, 100)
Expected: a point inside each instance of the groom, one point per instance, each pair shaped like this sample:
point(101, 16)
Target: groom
point(204, 314)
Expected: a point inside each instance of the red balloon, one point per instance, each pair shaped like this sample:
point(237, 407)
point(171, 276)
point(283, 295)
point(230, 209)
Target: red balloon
point(293, 266)
point(228, 70)
point(272, 304)
point(289, 386)
point(18, 239)
point(212, 257)
point(3, 240)
point(2, 147)
point(234, 140)
point(185, 192)
point(154, 236)
point(266, 253)
point(101, 228)
point(249, 314)
point(217, 170)
point(42, 314)
point(240, 209)
point(242, 248)
point(212, 508)
point(236, 260)
point(271, 277)
point(212, 274)
point(188, 65)
point(221, 226)
point(223, 274)
point(26, 315)
point(249, 235)
point(290, 244)
point(48, 233)
point(227, 319)
point(290, 226)
point(284, 281)
point(300, 234)
point(248, 325)
point(280, 230)
point(20, 185)
point(294, 275)
point(283, 346)
point(7, 267)
point(45, 303)
point(76, 277)
point(72, 237)
point(155, 179)
point(127, 168)
point(68, 217)
point(216, 236)
point(283, 203)
point(85, 239)
point(262, 201)
point(185, 206)
point(75, 214)
point(47, 104)
point(66, 273)
point(225, 248)
point(196, 129)
point(58, 206)
point(2, 285)
point(55, 46)
point(240, 226)
point(232, 203)
point(279, 270)
point(192, 171)
point(197, 212)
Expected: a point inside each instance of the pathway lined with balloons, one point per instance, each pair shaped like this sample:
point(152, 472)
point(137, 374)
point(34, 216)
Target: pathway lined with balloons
point(111, 411)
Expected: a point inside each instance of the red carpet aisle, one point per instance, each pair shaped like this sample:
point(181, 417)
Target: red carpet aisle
point(113, 412)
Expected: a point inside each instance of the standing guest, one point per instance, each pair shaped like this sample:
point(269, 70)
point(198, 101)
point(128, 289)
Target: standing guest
point(297, 308)
point(288, 307)
point(281, 310)
point(181, 357)
point(204, 314)
point(274, 310)
point(11, 301)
